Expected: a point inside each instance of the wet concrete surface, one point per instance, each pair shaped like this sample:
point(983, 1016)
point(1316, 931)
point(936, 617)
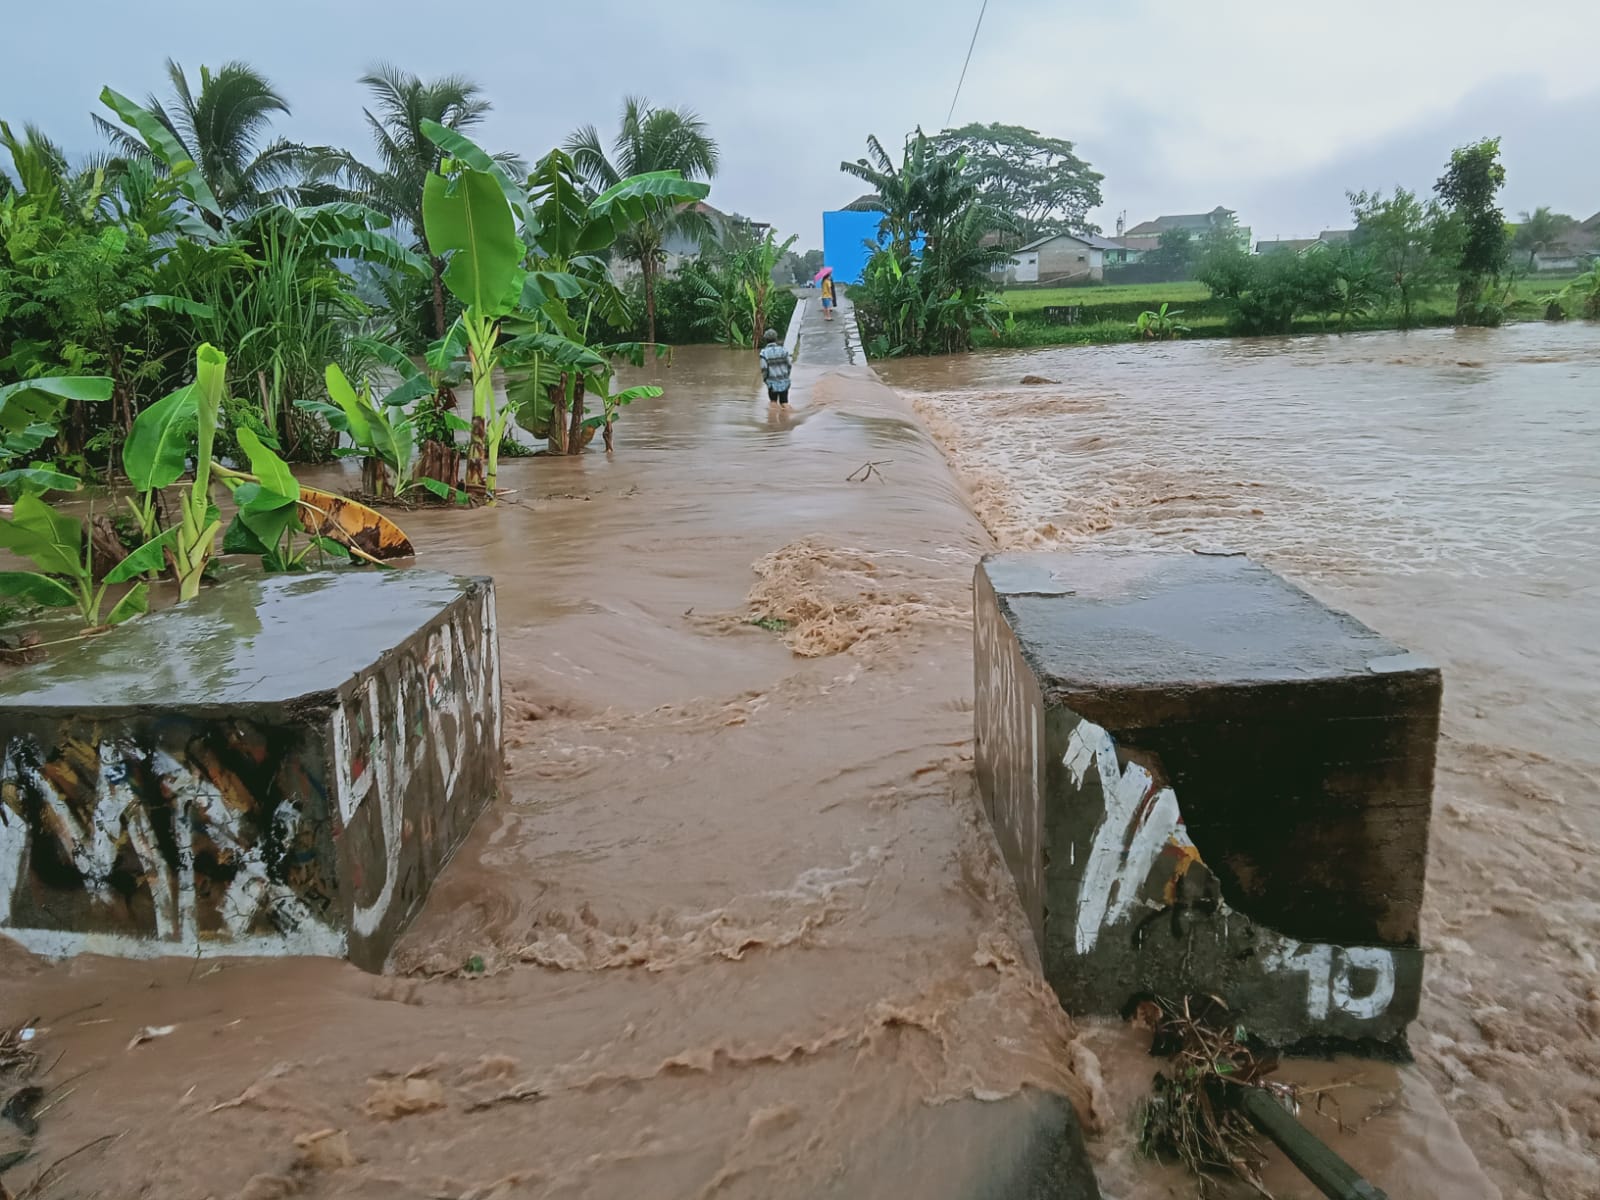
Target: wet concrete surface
point(259, 639)
point(1203, 784)
point(736, 928)
point(280, 767)
point(1441, 487)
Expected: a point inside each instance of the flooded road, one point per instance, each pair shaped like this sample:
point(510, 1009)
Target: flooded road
point(736, 930)
point(1445, 488)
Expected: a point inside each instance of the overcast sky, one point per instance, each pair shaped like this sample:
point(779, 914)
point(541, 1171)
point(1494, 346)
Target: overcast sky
point(1271, 107)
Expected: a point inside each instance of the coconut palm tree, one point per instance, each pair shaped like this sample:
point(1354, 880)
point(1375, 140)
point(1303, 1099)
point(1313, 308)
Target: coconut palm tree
point(650, 139)
point(405, 156)
point(1540, 230)
point(224, 129)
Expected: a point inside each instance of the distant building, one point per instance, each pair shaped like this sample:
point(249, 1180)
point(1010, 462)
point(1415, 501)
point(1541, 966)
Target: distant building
point(1146, 236)
point(1289, 245)
point(1059, 258)
point(1335, 237)
point(679, 247)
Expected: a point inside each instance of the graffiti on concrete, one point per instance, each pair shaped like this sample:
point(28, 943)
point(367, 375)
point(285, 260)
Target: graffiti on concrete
point(445, 705)
point(1139, 858)
point(1356, 980)
point(117, 841)
point(1009, 737)
point(171, 834)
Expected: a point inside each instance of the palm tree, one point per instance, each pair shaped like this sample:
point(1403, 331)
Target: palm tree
point(650, 139)
point(224, 129)
point(405, 155)
point(1541, 229)
point(919, 198)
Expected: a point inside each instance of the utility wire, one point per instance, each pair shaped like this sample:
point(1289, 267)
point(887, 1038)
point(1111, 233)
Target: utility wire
point(966, 64)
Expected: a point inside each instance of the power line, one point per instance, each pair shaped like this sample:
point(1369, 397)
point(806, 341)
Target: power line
point(966, 64)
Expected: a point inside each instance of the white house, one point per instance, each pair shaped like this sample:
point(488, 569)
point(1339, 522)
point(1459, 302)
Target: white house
point(1058, 258)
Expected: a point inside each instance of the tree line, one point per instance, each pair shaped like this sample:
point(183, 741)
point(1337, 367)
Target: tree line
point(200, 222)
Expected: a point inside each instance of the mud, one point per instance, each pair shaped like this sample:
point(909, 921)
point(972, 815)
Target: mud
point(737, 928)
point(1443, 488)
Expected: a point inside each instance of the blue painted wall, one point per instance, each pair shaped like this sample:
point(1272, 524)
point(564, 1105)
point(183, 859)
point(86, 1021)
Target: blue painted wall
point(842, 235)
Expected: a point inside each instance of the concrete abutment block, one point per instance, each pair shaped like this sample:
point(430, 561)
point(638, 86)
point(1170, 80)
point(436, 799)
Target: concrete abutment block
point(1204, 780)
point(282, 766)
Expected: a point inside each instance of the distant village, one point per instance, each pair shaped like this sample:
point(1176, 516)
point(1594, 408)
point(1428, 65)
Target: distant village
point(1064, 258)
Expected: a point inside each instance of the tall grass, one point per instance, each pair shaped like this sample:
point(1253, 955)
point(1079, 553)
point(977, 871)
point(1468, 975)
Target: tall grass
point(285, 313)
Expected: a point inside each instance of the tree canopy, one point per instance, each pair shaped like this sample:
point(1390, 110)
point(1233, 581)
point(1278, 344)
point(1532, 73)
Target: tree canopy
point(1038, 180)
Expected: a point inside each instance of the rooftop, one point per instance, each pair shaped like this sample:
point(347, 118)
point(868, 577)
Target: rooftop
point(1189, 221)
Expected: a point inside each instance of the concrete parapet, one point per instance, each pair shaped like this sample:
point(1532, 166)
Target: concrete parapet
point(1204, 780)
point(282, 766)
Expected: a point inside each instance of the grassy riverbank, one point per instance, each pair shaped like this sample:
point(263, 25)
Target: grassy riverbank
point(1108, 312)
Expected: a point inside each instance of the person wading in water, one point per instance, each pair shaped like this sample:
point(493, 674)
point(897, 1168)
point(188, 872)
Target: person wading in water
point(775, 366)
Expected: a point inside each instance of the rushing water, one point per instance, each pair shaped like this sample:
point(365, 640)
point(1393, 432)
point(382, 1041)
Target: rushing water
point(1444, 487)
point(736, 927)
point(742, 933)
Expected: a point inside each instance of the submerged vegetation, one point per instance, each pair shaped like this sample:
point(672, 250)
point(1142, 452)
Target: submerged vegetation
point(354, 299)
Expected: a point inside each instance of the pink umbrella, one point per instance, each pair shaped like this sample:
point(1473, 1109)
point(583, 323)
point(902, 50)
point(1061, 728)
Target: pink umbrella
point(821, 273)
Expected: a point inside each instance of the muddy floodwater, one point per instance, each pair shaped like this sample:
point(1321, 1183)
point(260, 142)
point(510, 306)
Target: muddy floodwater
point(737, 929)
point(1445, 488)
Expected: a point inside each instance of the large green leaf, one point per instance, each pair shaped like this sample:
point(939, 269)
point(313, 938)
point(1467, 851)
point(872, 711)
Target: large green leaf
point(463, 149)
point(358, 424)
point(136, 601)
point(149, 557)
point(540, 287)
point(443, 353)
point(468, 214)
point(561, 209)
point(554, 349)
point(239, 538)
point(37, 479)
point(35, 400)
point(165, 147)
point(36, 589)
point(172, 304)
point(367, 246)
point(339, 215)
point(648, 194)
point(158, 446)
point(527, 396)
point(331, 413)
point(264, 515)
point(210, 383)
point(271, 471)
point(414, 388)
point(52, 541)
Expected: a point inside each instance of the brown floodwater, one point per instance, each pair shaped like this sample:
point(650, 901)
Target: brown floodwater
point(741, 929)
point(1445, 488)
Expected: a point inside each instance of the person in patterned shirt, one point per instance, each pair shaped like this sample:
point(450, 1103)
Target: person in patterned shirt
point(775, 366)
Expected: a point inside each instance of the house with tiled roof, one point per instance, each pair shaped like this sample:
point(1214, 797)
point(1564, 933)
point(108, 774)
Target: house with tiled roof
point(1146, 235)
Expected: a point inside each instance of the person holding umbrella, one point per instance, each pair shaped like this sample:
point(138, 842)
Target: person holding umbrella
point(826, 276)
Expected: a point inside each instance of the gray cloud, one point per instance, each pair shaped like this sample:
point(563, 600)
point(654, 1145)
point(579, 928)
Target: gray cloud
point(1273, 109)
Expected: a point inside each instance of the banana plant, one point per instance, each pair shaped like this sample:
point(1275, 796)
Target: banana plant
point(467, 212)
point(269, 502)
point(64, 565)
point(382, 432)
point(162, 439)
point(28, 414)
